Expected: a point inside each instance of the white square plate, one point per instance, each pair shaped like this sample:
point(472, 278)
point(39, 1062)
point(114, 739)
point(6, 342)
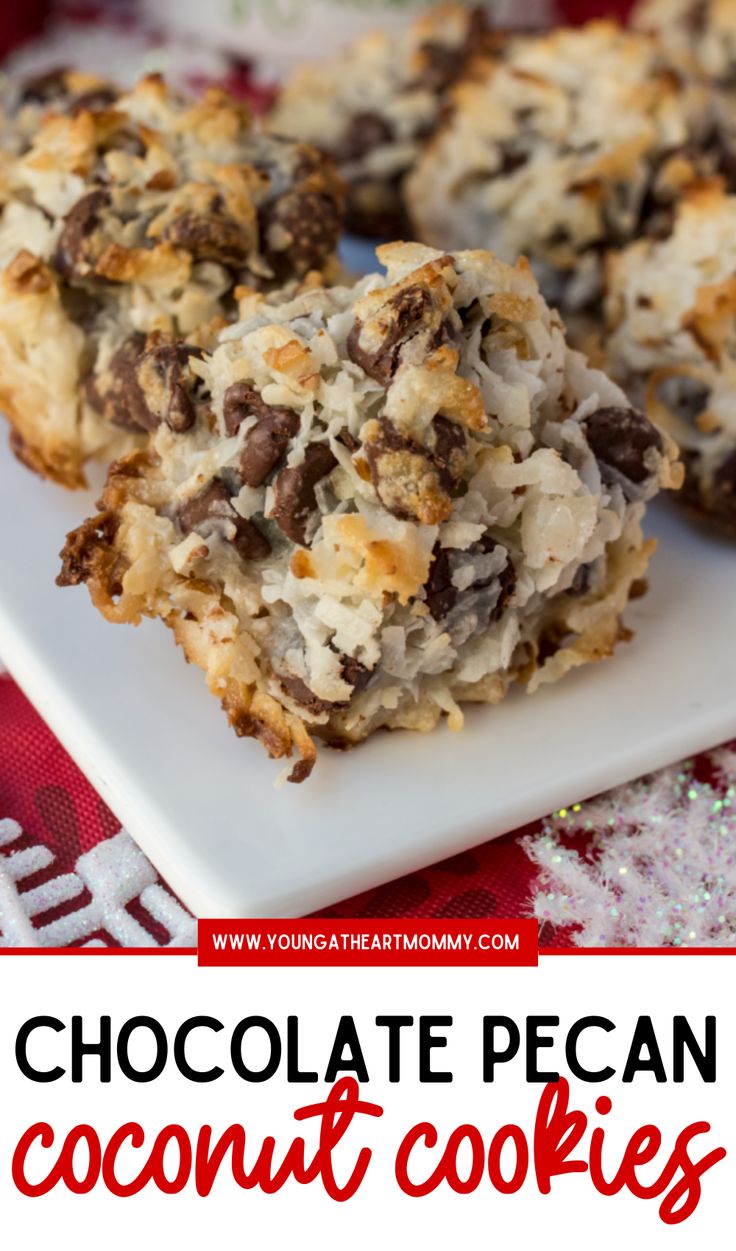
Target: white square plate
point(202, 804)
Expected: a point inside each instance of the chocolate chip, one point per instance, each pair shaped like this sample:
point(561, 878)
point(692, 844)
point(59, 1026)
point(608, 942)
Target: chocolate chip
point(443, 63)
point(511, 159)
point(168, 384)
point(123, 139)
point(210, 237)
point(622, 441)
point(114, 392)
point(79, 244)
point(300, 232)
point(364, 132)
point(440, 593)
point(354, 673)
point(351, 671)
point(213, 506)
point(93, 101)
point(43, 88)
point(52, 88)
point(408, 309)
point(267, 442)
point(301, 693)
point(294, 491)
point(82, 306)
point(449, 451)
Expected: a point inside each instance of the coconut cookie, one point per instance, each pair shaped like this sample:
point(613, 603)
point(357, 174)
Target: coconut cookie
point(671, 311)
point(142, 216)
point(391, 500)
point(373, 106)
point(558, 147)
point(24, 103)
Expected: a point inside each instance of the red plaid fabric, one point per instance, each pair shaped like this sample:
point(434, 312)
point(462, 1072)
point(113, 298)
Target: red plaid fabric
point(42, 789)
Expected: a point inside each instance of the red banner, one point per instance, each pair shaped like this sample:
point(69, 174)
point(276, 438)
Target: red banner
point(417, 942)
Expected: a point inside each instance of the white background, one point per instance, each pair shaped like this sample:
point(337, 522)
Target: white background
point(171, 989)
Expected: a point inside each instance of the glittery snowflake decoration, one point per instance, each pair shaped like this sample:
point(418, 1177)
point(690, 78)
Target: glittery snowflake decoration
point(113, 897)
point(650, 864)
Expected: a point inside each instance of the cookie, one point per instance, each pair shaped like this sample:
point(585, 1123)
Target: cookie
point(392, 500)
point(558, 147)
point(372, 106)
point(144, 215)
point(670, 310)
point(24, 103)
point(698, 34)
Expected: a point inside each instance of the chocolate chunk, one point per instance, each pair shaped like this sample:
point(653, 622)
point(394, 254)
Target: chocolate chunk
point(364, 132)
point(449, 451)
point(443, 63)
point(308, 223)
point(123, 139)
point(210, 237)
point(168, 384)
point(266, 445)
point(512, 159)
point(46, 87)
point(267, 442)
point(409, 308)
point(351, 671)
point(213, 506)
point(80, 242)
point(301, 693)
point(622, 440)
point(115, 393)
point(507, 580)
point(354, 673)
point(82, 306)
point(441, 595)
point(93, 101)
point(724, 483)
point(294, 494)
